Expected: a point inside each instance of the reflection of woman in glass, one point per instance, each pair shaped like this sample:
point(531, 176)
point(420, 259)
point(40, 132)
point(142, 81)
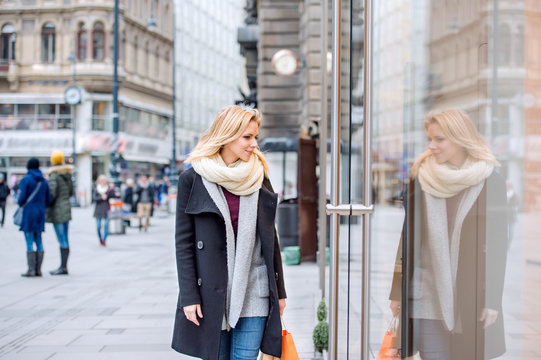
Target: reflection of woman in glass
point(456, 238)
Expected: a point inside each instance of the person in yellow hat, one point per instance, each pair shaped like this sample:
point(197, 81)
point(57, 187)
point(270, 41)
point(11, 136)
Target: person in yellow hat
point(59, 213)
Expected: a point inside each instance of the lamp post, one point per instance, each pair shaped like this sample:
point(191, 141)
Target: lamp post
point(114, 167)
point(73, 97)
point(173, 176)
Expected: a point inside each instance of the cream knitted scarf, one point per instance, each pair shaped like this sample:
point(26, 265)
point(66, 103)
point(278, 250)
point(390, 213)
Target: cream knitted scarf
point(444, 181)
point(239, 178)
point(101, 189)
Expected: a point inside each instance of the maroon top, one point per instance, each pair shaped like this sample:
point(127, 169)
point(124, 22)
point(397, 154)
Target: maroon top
point(233, 202)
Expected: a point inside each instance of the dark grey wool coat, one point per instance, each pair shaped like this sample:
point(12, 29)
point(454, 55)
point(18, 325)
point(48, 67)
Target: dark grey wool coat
point(200, 239)
point(481, 270)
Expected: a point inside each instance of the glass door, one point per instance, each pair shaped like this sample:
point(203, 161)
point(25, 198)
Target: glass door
point(436, 188)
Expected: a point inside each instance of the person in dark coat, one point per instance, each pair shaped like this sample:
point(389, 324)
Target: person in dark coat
point(127, 197)
point(231, 285)
point(33, 223)
point(145, 201)
point(101, 194)
point(4, 193)
point(59, 213)
point(456, 231)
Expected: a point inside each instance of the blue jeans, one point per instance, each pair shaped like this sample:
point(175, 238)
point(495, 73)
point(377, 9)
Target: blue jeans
point(242, 342)
point(105, 222)
point(61, 231)
point(31, 238)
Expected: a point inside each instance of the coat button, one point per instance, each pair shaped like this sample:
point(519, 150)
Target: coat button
point(199, 281)
point(199, 244)
point(276, 276)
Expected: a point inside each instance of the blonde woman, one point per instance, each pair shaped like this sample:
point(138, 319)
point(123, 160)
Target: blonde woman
point(456, 240)
point(231, 286)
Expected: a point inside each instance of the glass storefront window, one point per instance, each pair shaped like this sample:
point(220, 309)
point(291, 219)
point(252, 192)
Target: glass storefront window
point(463, 263)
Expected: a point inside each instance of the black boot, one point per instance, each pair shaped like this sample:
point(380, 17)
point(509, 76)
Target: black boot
point(31, 259)
point(63, 269)
point(39, 260)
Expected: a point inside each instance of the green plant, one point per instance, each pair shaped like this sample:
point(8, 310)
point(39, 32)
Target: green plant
point(320, 336)
point(321, 310)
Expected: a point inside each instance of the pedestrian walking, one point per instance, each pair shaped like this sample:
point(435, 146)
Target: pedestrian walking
point(59, 213)
point(127, 197)
point(163, 191)
point(34, 195)
point(456, 235)
point(145, 199)
point(101, 194)
point(231, 285)
point(4, 193)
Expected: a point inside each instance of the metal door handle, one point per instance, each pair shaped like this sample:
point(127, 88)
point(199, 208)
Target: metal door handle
point(349, 209)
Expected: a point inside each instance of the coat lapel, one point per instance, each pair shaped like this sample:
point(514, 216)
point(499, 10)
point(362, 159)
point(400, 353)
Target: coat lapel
point(200, 200)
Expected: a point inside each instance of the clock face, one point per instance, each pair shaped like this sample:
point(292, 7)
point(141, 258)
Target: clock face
point(72, 95)
point(285, 62)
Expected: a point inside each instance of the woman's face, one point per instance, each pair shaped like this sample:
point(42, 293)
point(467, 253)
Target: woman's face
point(243, 147)
point(443, 149)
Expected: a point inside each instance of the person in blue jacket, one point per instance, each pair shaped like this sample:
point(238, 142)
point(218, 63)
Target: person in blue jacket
point(33, 223)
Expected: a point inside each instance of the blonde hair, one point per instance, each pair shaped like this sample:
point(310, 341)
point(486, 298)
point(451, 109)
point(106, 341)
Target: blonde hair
point(228, 126)
point(457, 126)
point(101, 178)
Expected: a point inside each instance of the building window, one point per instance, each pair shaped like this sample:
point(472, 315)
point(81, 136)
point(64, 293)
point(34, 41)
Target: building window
point(99, 117)
point(519, 47)
point(504, 46)
point(135, 54)
point(8, 43)
point(47, 42)
point(81, 42)
point(157, 63)
point(98, 41)
point(146, 59)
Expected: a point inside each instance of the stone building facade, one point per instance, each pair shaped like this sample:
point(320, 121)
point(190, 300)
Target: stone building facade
point(48, 46)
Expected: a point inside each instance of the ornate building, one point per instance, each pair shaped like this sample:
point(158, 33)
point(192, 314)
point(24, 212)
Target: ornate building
point(48, 46)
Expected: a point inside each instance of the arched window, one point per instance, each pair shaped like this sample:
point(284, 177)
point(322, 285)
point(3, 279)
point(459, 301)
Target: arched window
point(518, 45)
point(504, 46)
point(146, 59)
point(98, 41)
point(8, 43)
point(81, 42)
point(157, 64)
point(47, 42)
point(165, 19)
point(135, 55)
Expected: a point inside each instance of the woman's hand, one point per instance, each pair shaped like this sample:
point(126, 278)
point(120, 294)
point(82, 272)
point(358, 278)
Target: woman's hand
point(282, 306)
point(395, 307)
point(489, 316)
point(192, 312)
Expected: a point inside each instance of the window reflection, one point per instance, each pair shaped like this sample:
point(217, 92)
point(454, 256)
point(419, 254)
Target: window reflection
point(480, 57)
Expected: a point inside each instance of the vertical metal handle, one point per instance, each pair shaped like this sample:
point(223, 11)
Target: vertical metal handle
point(335, 177)
point(367, 178)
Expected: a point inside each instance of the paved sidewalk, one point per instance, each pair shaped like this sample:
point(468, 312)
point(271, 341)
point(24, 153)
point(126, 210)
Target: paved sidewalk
point(118, 302)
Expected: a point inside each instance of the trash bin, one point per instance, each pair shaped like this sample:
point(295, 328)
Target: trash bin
point(292, 255)
point(287, 215)
point(116, 217)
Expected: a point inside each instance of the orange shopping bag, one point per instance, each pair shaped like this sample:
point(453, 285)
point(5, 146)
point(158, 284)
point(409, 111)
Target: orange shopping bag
point(389, 350)
point(289, 351)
